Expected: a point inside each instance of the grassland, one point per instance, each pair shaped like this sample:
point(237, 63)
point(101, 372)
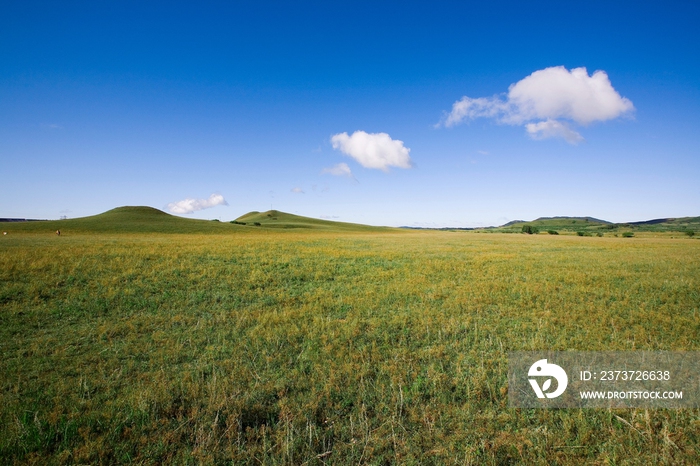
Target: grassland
point(240, 345)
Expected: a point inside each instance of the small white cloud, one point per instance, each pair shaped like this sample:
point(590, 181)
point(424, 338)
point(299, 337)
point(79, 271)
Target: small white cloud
point(298, 190)
point(545, 97)
point(553, 129)
point(373, 150)
point(482, 152)
point(340, 169)
point(187, 206)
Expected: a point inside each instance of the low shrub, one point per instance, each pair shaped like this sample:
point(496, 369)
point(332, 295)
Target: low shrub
point(530, 230)
point(627, 234)
point(553, 232)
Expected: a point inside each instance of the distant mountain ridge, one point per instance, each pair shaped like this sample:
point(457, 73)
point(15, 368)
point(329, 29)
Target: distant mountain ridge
point(557, 222)
point(596, 225)
point(587, 219)
point(142, 219)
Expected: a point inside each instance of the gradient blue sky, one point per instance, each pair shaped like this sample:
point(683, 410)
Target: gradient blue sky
point(104, 104)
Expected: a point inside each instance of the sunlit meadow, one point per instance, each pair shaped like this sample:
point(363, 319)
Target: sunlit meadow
point(287, 347)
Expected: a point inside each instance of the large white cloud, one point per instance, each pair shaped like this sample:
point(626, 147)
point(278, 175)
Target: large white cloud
point(373, 150)
point(546, 96)
point(187, 206)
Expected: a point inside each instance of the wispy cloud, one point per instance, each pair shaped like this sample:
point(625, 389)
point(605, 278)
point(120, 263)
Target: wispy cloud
point(553, 129)
point(373, 150)
point(542, 99)
point(187, 206)
point(340, 169)
point(298, 190)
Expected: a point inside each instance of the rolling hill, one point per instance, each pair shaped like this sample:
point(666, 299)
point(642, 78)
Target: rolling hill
point(590, 224)
point(283, 220)
point(140, 219)
point(554, 223)
point(128, 219)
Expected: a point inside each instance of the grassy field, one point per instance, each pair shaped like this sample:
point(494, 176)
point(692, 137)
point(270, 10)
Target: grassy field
point(232, 344)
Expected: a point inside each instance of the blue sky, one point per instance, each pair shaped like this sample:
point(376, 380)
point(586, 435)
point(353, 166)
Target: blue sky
point(108, 104)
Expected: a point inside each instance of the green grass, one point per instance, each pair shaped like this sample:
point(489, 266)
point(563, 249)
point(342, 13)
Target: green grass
point(288, 346)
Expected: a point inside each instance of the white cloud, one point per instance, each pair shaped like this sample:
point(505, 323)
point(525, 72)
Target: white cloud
point(187, 206)
point(298, 190)
point(468, 109)
point(546, 96)
point(340, 169)
point(558, 93)
point(553, 129)
point(373, 150)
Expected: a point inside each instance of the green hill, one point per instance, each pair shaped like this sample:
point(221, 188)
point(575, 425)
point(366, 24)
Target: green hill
point(127, 219)
point(558, 223)
point(141, 219)
point(277, 219)
point(683, 221)
point(594, 225)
